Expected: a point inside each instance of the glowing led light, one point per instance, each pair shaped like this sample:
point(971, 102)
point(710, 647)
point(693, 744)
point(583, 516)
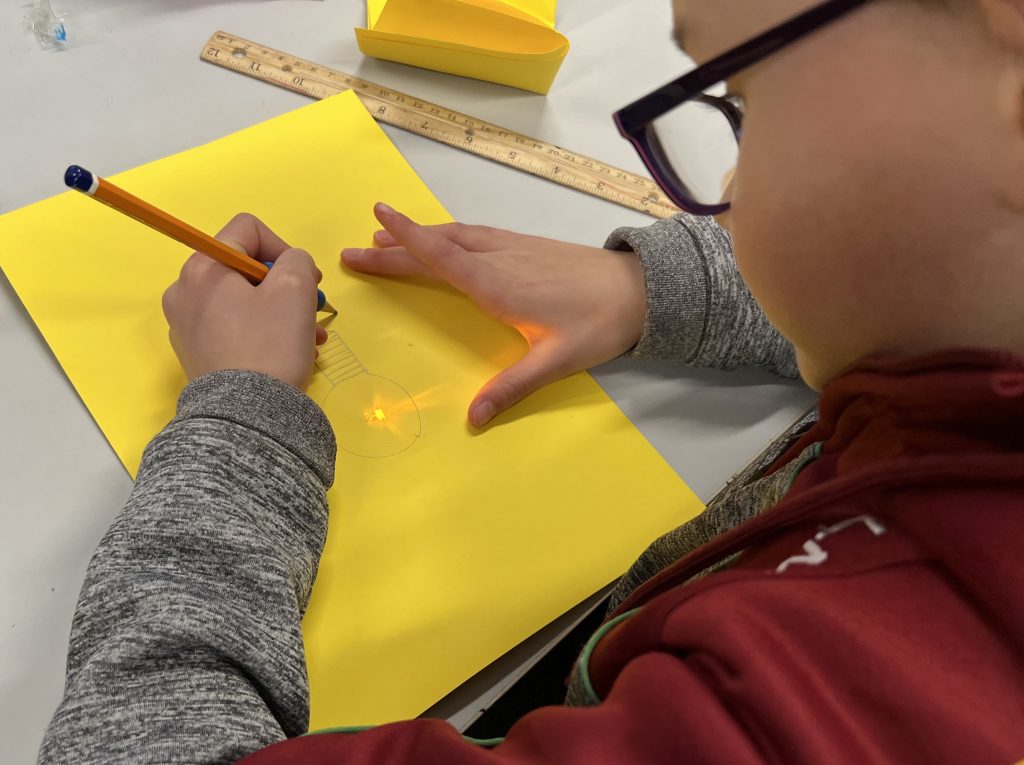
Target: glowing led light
point(357, 396)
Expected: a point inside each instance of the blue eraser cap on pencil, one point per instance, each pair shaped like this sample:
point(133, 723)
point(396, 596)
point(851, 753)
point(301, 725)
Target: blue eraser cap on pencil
point(77, 177)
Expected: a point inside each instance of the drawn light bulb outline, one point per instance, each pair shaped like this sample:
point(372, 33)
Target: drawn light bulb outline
point(373, 416)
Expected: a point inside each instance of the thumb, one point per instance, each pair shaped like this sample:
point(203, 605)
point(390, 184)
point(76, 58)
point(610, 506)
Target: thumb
point(531, 373)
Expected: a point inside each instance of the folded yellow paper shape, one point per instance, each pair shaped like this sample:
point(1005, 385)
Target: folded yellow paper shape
point(511, 42)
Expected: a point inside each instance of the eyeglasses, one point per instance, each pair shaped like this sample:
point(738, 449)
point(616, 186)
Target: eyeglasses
point(687, 132)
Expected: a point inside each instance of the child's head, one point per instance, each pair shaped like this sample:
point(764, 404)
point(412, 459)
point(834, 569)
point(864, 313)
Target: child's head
point(879, 198)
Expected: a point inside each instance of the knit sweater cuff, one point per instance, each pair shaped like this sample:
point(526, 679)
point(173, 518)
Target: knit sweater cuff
point(269, 406)
point(677, 288)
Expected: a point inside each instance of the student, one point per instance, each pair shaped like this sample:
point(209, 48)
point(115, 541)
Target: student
point(860, 600)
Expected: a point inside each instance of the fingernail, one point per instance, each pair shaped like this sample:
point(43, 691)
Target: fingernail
point(483, 413)
point(351, 252)
point(385, 209)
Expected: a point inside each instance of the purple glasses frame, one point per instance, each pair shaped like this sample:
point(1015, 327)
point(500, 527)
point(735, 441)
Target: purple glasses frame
point(634, 121)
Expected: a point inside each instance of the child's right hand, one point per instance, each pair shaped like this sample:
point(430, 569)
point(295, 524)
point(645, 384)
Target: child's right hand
point(218, 320)
point(576, 306)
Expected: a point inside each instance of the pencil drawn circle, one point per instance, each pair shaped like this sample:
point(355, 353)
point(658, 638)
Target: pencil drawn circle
point(373, 416)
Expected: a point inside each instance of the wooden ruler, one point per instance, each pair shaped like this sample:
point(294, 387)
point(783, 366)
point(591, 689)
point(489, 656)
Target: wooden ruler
point(531, 155)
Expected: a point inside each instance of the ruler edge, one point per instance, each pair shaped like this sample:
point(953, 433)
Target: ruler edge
point(659, 209)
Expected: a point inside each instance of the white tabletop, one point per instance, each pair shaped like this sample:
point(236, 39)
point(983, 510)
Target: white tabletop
point(131, 89)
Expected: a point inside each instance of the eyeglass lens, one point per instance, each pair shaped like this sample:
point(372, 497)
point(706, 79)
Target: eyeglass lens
point(697, 142)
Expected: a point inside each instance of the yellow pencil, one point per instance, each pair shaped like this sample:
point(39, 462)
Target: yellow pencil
point(104, 191)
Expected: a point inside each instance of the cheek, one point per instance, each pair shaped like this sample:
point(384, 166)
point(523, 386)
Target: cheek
point(797, 244)
point(769, 224)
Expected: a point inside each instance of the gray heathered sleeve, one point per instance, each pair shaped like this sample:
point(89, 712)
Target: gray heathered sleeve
point(699, 310)
point(185, 645)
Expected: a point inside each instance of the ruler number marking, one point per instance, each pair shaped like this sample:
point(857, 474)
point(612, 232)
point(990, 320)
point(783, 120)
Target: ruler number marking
point(455, 129)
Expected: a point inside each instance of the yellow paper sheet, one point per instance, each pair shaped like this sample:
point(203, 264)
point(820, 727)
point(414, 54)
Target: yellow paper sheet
point(511, 42)
point(445, 548)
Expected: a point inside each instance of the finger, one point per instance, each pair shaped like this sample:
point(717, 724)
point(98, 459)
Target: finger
point(478, 238)
point(197, 262)
point(383, 239)
point(430, 246)
point(201, 269)
point(471, 238)
point(169, 302)
point(321, 335)
point(247, 233)
point(536, 369)
point(392, 261)
point(294, 270)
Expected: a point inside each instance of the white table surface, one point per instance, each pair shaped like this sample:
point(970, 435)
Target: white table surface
point(131, 89)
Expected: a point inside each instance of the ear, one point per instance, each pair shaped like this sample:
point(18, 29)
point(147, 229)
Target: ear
point(1005, 21)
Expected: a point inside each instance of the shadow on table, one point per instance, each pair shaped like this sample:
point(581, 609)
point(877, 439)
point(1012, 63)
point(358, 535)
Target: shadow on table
point(733, 399)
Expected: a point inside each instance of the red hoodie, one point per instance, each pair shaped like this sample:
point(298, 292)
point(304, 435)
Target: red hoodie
point(876, 615)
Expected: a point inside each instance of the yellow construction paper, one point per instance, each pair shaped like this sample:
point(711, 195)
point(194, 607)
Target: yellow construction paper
point(511, 42)
point(446, 548)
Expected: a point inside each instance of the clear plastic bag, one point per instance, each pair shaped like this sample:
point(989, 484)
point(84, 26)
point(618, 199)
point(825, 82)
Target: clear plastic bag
point(49, 27)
